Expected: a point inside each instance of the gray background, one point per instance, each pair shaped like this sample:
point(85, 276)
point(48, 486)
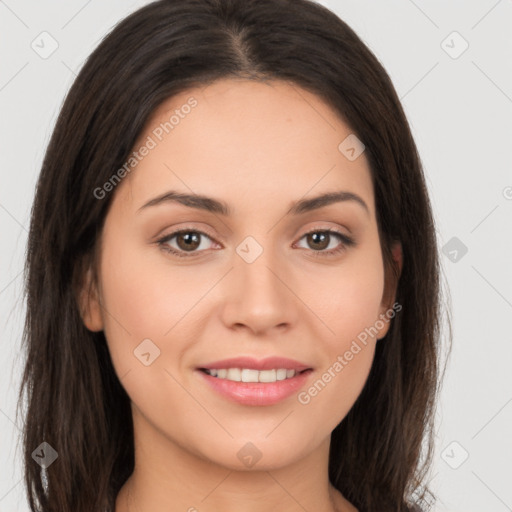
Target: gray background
point(459, 106)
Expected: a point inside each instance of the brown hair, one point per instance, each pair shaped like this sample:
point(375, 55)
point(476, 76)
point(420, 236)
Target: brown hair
point(75, 401)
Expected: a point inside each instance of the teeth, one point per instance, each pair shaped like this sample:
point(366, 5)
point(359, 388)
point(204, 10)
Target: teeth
point(267, 376)
point(234, 374)
point(281, 374)
point(250, 375)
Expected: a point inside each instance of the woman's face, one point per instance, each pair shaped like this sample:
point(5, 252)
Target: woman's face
point(254, 285)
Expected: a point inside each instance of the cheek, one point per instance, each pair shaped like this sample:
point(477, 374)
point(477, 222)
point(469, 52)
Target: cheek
point(144, 300)
point(138, 301)
point(348, 297)
point(349, 307)
point(337, 385)
point(145, 292)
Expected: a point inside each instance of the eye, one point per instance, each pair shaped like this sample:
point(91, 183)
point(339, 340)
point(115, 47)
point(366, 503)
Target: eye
point(320, 239)
point(188, 241)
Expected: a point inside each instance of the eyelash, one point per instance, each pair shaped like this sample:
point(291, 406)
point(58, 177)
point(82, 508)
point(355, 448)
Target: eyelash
point(345, 240)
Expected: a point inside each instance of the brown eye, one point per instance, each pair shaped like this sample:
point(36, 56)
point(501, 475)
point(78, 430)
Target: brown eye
point(187, 241)
point(320, 239)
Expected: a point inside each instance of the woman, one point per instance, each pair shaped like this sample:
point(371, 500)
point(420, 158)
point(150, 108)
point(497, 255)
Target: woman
point(232, 276)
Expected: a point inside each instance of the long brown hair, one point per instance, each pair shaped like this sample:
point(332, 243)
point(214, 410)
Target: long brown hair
point(381, 451)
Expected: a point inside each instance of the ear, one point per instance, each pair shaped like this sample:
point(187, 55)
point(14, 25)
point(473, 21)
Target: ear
point(89, 302)
point(392, 275)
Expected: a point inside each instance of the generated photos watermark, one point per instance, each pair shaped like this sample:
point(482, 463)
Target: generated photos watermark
point(150, 143)
point(304, 397)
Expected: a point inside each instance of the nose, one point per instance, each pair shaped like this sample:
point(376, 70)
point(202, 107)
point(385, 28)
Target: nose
point(259, 296)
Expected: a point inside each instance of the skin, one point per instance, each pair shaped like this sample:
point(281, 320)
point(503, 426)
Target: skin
point(259, 147)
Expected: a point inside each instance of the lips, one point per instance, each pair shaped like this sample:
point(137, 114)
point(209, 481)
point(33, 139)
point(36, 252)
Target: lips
point(278, 379)
point(256, 393)
point(269, 363)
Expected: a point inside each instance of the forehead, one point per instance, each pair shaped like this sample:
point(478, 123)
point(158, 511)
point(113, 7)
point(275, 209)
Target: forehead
point(243, 141)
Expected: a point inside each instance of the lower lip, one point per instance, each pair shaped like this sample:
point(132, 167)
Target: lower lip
point(257, 393)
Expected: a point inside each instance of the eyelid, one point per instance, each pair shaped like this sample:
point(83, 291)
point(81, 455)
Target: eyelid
point(332, 229)
point(195, 229)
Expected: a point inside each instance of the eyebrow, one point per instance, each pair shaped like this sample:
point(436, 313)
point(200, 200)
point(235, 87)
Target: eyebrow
point(212, 205)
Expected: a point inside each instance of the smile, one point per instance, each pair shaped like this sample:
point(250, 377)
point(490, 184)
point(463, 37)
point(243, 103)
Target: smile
point(246, 388)
point(250, 375)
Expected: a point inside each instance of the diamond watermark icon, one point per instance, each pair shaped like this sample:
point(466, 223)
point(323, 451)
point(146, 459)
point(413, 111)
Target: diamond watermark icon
point(454, 249)
point(454, 455)
point(249, 249)
point(454, 45)
point(146, 352)
point(44, 455)
point(249, 455)
point(44, 45)
point(351, 147)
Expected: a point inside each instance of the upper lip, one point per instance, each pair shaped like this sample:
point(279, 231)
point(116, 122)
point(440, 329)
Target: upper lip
point(268, 363)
